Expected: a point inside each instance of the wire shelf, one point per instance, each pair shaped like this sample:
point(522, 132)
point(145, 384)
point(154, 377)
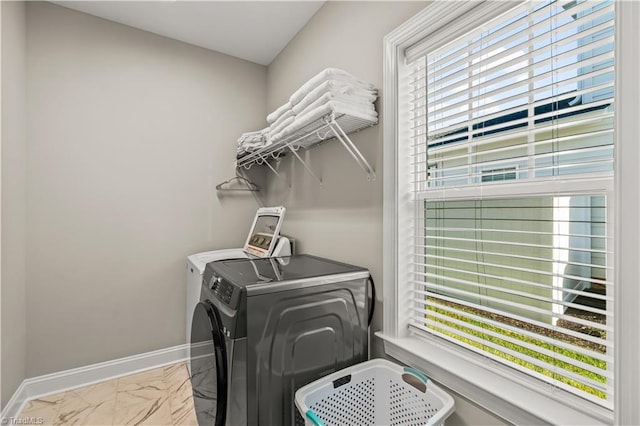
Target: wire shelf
point(328, 127)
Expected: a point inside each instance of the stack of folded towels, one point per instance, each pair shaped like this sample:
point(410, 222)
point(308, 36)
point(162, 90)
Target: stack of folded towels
point(252, 141)
point(330, 91)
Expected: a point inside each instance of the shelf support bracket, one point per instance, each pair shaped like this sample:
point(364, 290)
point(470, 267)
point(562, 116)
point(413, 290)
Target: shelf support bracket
point(351, 148)
point(306, 166)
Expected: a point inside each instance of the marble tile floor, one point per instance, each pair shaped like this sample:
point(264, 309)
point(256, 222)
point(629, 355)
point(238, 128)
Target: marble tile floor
point(154, 397)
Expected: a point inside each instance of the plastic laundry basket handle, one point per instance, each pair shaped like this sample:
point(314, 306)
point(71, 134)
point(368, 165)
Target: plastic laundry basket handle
point(415, 378)
point(314, 418)
point(373, 300)
point(416, 373)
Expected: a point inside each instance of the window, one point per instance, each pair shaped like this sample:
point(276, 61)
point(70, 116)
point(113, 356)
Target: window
point(504, 201)
point(496, 115)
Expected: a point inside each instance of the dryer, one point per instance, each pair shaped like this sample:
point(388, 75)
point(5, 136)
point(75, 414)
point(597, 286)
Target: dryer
point(264, 239)
point(266, 327)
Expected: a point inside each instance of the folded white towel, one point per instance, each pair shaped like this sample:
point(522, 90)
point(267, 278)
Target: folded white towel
point(250, 134)
point(336, 87)
point(252, 144)
point(251, 141)
point(325, 75)
point(338, 107)
point(256, 132)
point(278, 112)
point(249, 147)
point(356, 101)
point(277, 129)
point(284, 116)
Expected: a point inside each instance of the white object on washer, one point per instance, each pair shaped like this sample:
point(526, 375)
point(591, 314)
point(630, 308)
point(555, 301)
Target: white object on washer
point(265, 232)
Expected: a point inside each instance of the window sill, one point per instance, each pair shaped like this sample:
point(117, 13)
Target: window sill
point(507, 396)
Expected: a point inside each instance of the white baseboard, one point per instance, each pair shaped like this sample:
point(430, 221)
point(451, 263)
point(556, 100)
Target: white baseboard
point(15, 404)
point(36, 387)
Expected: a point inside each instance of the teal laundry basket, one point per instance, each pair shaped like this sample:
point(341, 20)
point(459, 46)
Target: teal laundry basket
point(376, 392)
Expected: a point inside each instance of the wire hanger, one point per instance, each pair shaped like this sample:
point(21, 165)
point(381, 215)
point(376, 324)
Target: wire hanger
point(250, 186)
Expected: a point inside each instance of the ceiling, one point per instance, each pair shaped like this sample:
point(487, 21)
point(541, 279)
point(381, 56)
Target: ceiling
point(253, 30)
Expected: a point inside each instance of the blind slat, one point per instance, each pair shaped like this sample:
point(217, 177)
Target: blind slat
point(480, 254)
point(468, 322)
point(530, 271)
point(482, 56)
point(420, 87)
point(605, 389)
point(521, 306)
point(558, 338)
point(520, 318)
point(517, 90)
point(531, 360)
point(511, 231)
point(541, 118)
point(505, 290)
point(485, 43)
point(512, 244)
point(445, 83)
point(514, 256)
point(473, 114)
point(479, 143)
point(536, 361)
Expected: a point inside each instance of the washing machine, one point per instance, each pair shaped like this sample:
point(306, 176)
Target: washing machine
point(264, 240)
point(266, 327)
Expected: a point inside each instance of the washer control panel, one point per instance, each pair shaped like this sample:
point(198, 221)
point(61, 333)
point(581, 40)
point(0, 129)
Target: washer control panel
point(223, 290)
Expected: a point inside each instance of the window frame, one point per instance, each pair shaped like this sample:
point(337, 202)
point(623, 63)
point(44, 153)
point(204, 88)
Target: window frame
point(517, 399)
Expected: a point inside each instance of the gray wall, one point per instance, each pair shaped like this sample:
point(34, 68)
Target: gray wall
point(342, 218)
point(12, 295)
point(129, 133)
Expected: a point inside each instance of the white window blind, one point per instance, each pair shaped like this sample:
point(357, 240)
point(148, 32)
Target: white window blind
point(512, 166)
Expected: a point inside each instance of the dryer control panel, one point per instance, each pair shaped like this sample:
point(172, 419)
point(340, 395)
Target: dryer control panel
point(224, 291)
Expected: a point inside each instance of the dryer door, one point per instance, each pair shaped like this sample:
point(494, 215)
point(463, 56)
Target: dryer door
point(208, 365)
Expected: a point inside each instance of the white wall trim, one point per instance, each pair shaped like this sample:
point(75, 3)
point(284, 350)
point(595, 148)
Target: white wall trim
point(61, 381)
point(397, 208)
point(627, 244)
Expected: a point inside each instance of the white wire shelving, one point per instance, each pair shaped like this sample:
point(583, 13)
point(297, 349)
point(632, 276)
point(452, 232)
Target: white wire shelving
point(331, 126)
